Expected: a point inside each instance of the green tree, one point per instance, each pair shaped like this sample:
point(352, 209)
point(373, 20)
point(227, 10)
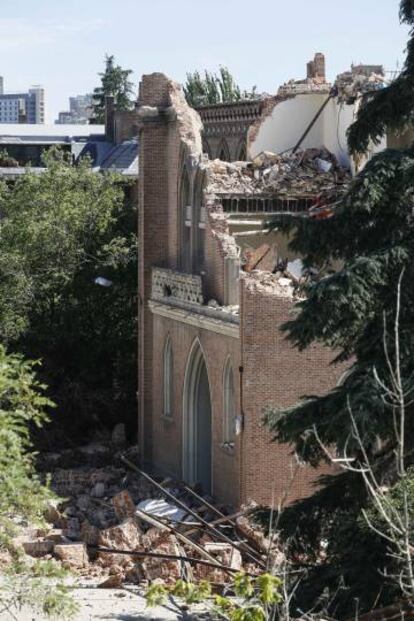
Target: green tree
point(213, 88)
point(115, 82)
point(61, 231)
point(371, 235)
point(23, 495)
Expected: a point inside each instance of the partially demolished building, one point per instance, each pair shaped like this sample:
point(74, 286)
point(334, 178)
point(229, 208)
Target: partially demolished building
point(215, 287)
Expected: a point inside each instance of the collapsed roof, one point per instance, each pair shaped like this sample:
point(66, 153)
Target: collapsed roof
point(313, 173)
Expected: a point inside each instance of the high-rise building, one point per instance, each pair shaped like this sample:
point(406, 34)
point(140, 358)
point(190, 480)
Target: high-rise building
point(80, 110)
point(22, 107)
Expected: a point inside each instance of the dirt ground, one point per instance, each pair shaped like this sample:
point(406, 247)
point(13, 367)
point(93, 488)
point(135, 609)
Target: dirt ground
point(126, 604)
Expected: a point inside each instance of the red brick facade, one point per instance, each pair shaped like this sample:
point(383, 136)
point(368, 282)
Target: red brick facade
point(267, 370)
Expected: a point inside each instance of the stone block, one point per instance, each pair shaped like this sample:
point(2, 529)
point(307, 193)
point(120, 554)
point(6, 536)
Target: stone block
point(124, 505)
point(125, 536)
point(113, 582)
point(73, 555)
point(38, 548)
point(158, 568)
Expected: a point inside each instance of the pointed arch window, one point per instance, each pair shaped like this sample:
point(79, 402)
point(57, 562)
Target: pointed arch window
point(168, 378)
point(242, 155)
point(229, 408)
point(186, 219)
point(224, 152)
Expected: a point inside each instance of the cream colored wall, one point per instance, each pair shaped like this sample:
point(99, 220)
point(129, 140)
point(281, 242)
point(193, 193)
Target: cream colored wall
point(281, 130)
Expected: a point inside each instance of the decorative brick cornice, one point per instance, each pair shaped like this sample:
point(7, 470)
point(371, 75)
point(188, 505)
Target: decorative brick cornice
point(239, 111)
point(220, 325)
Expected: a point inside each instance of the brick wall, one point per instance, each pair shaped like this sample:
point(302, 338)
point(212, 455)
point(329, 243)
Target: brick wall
point(275, 373)
point(168, 433)
point(153, 227)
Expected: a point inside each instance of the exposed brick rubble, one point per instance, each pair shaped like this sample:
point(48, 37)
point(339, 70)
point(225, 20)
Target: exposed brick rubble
point(83, 525)
point(313, 172)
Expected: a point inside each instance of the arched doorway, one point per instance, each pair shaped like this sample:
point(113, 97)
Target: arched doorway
point(197, 422)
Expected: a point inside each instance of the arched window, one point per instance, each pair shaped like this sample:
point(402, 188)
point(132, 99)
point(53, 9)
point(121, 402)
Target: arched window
point(186, 219)
point(242, 155)
point(200, 216)
point(223, 152)
point(229, 408)
point(168, 378)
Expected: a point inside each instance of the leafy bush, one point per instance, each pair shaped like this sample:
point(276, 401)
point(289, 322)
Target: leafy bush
point(23, 496)
point(255, 598)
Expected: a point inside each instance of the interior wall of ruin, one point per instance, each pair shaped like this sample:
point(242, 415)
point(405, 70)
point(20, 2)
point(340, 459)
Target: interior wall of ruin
point(281, 130)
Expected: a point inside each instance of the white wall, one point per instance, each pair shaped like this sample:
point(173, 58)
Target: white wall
point(281, 130)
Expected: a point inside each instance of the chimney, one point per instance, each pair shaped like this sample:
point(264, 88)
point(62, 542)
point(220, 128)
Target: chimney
point(110, 118)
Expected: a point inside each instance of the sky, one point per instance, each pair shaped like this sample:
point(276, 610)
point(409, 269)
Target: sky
point(61, 44)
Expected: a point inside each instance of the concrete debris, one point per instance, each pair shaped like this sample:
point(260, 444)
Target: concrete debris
point(125, 536)
point(38, 548)
point(113, 582)
point(272, 284)
point(252, 257)
point(295, 270)
point(177, 538)
point(72, 555)
point(163, 509)
point(310, 173)
point(360, 80)
point(227, 556)
point(167, 570)
point(124, 505)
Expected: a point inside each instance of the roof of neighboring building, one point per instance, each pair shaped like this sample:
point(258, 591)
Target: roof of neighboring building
point(49, 134)
point(123, 158)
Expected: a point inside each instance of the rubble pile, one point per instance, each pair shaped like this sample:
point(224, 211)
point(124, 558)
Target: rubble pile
point(119, 524)
point(360, 80)
point(308, 173)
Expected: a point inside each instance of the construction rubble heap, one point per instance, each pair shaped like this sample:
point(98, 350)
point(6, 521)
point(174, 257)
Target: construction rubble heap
point(118, 524)
point(313, 173)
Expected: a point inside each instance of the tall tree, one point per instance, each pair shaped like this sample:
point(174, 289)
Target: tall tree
point(115, 82)
point(371, 234)
point(214, 89)
point(61, 231)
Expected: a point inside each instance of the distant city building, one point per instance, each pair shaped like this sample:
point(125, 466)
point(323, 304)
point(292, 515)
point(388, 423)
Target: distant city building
point(22, 107)
point(80, 111)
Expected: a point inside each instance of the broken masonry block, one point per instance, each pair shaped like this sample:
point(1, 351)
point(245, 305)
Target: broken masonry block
point(74, 555)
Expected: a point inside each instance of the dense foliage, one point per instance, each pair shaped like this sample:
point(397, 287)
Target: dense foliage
point(213, 88)
point(22, 404)
point(61, 230)
point(23, 495)
point(371, 236)
point(115, 82)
